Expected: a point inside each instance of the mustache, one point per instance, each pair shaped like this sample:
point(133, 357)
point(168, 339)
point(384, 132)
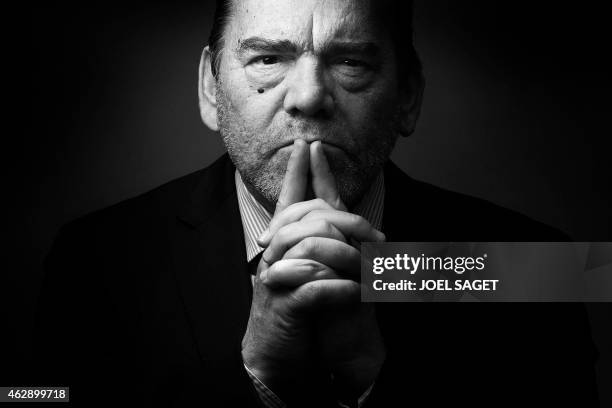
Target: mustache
point(285, 134)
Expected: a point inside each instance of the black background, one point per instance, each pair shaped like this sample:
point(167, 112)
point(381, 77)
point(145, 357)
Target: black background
point(515, 111)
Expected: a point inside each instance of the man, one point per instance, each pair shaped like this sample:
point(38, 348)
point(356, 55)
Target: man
point(238, 285)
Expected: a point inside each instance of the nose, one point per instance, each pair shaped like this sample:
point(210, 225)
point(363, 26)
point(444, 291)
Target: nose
point(307, 92)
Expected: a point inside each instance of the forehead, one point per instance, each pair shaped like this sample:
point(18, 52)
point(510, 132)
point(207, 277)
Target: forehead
point(310, 23)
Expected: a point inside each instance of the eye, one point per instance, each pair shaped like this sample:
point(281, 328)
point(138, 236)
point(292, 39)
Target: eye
point(352, 65)
point(353, 72)
point(267, 60)
point(349, 62)
point(267, 69)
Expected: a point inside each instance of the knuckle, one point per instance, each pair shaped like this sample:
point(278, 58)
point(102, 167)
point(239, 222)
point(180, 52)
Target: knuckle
point(270, 272)
point(281, 234)
point(309, 246)
point(273, 244)
point(300, 250)
point(358, 220)
point(311, 266)
point(313, 213)
point(309, 216)
point(324, 226)
point(304, 249)
point(321, 273)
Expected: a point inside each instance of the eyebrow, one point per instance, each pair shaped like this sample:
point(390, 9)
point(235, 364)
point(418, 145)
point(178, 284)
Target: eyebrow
point(260, 44)
point(352, 47)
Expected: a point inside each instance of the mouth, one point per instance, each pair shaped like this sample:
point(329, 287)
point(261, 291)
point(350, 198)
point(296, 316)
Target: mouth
point(326, 144)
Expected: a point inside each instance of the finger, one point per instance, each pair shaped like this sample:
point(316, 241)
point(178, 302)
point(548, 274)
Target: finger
point(317, 294)
point(337, 255)
point(261, 266)
point(323, 180)
point(291, 273)
point(293, 213)
point(350, 225)
point(296, 177)
point(293, 233)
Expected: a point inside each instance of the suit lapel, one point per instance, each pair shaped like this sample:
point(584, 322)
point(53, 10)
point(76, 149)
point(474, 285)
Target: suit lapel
point(398, 219)
point(402, 221)
point(209, 258)
point(209, 263)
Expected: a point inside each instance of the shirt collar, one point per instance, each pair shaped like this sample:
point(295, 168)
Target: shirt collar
point(255, 218)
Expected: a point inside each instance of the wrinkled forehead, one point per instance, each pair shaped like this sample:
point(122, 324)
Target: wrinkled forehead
point(310, 23)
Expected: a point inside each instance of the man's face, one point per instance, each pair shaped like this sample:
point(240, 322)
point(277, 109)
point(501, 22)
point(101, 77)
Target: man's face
point(310, 69)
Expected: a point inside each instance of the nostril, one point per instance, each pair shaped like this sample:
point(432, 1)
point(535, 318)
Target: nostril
point(319, 115)
point(309, 100)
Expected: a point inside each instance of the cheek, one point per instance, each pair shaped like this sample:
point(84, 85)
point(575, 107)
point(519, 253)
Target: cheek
point(371, 119)
point(368, 110)
point(379, 96)
point(266, 77)
point(253, 109)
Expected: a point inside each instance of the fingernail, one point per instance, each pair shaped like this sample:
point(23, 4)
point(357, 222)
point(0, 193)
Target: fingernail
point(263, 275)
point(265, 254)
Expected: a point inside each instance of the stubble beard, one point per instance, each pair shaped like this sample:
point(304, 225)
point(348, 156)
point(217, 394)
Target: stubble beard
point(262, 166)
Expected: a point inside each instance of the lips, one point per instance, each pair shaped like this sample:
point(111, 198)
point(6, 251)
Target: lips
point(309, 141)
point(331, 148)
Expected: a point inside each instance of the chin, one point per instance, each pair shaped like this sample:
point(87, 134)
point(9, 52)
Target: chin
point(266, 176)
point(265, 173)
point(351, 187)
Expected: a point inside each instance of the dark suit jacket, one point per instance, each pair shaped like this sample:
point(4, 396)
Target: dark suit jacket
point(146, 302)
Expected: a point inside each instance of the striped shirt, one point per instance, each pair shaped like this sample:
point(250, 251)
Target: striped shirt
point(255, 220)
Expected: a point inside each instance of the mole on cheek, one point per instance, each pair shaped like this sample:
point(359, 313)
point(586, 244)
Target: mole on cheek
point(260, 90)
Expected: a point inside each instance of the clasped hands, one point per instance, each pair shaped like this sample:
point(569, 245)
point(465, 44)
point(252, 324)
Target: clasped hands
point(306, 319)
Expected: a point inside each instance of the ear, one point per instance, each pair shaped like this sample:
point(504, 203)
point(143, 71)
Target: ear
point(207, 88)
point(411, 99)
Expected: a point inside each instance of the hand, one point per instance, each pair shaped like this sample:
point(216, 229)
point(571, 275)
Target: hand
point(306, 242)
point(278, 345)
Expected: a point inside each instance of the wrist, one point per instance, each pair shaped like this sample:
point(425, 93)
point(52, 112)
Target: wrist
point(282, 378)
point(351, 380)
point(263, 368)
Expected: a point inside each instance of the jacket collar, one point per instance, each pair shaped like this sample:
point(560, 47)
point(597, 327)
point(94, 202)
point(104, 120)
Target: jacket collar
point(209, 263)
point(209, 256)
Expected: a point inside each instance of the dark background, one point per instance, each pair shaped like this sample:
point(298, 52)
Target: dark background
point(515, 112)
